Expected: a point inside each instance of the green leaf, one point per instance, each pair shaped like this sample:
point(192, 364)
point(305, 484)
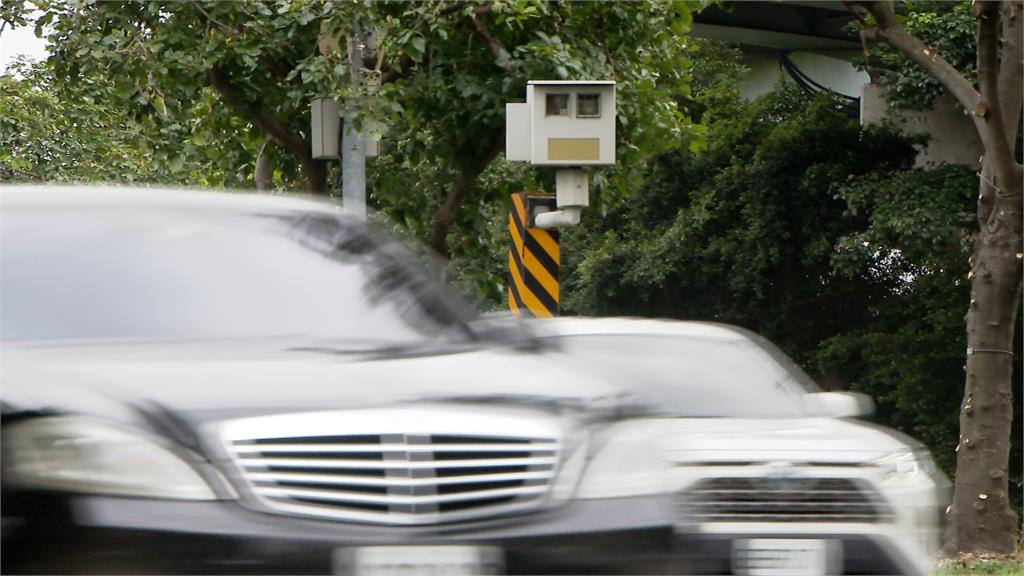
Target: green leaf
point(418, 46)
point(159, 105)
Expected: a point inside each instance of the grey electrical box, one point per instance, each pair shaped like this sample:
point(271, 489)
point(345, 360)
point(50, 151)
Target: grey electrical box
point(325, 124)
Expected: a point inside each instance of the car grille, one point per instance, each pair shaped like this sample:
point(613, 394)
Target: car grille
point(767, 499)
point(361, 473)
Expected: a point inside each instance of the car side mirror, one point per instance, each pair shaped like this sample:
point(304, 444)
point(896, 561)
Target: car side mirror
point(839, 404)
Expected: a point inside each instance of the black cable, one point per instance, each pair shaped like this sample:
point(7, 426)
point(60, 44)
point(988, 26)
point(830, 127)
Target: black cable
point(850, 105)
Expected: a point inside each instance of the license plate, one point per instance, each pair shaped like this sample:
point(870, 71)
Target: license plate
point(784, 557)
point(419, 561)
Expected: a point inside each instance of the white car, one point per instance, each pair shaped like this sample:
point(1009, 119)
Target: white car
point(769, 474)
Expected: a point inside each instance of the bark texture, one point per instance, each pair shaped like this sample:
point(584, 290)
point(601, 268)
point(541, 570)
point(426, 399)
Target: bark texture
point(980, 519)
point(315, 170)
point(262, 175)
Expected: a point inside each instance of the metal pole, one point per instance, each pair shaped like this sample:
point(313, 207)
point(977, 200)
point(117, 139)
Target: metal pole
point(353, 144)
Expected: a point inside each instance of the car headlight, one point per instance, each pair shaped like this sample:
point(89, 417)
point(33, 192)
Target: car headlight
point(628, 464)
point(76, 454)
point(906, 465)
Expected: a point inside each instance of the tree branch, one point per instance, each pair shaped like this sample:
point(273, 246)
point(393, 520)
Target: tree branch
point(984, 107)
point(262, 174)
point(998, 152)
point(987, 14)
point(279, 68)
point(452, 8)
point(393, 74)
point(889, 30)
point(271, 126)
point(444, 217)
point(1011, 68)
point(1000, 172)
point(210, 18)
point(492, 43)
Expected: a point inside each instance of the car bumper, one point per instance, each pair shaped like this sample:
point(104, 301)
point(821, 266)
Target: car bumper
point(854, 548)
point(109, 535)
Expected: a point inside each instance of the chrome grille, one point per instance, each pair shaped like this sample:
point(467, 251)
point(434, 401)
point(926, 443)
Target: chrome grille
point(766, 499)
point(411, 477)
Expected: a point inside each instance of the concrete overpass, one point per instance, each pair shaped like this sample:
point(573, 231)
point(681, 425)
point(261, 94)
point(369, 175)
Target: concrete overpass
point(813, 43)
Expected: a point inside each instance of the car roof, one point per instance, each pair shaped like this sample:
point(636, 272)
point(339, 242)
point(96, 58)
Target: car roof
point(589, 326)
point(142, 197)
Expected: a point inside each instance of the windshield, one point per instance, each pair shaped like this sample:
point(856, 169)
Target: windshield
point(174, 272)
point(696, 377)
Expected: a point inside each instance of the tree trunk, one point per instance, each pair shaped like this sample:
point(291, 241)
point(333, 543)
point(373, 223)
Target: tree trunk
point(263, 176)
point(316, 174)
point(444, 217)
point(980, 518)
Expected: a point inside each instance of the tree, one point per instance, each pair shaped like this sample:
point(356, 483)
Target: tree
point(164, 61)
point(55, 131)
point(447, 70)
point(48, 133)
point(980, 518)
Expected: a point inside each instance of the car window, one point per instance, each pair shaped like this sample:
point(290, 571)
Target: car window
point(177, 272)
point(690, 376)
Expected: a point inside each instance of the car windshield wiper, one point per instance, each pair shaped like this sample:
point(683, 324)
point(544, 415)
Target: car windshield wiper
point(379, 348)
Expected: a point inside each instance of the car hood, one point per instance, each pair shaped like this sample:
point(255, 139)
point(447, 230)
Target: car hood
point(213, 380)
point(736, 441)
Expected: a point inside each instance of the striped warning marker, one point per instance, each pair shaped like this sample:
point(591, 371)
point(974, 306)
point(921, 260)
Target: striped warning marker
point(533, 260)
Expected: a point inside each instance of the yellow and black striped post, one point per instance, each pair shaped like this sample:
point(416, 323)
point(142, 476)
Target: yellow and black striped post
point(533, 261)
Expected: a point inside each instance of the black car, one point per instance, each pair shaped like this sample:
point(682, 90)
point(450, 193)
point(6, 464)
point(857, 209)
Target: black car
point(199, 382)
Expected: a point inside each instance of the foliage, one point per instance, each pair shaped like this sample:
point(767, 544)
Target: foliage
point(744, 233)
point(448, 68)
point(947, 28)
point(246, 71)
point(716, 70)
point(478, 267)
point(52, 130)
point(49, 133)
point(466, 60)
point(911, 213)
point(157, 58)
point(910, 357)
point(447, 107)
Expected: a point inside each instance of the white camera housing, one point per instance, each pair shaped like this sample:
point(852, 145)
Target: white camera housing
point(563, 123)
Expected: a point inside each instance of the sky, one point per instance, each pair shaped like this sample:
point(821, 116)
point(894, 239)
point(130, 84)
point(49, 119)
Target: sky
point(20, 40)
